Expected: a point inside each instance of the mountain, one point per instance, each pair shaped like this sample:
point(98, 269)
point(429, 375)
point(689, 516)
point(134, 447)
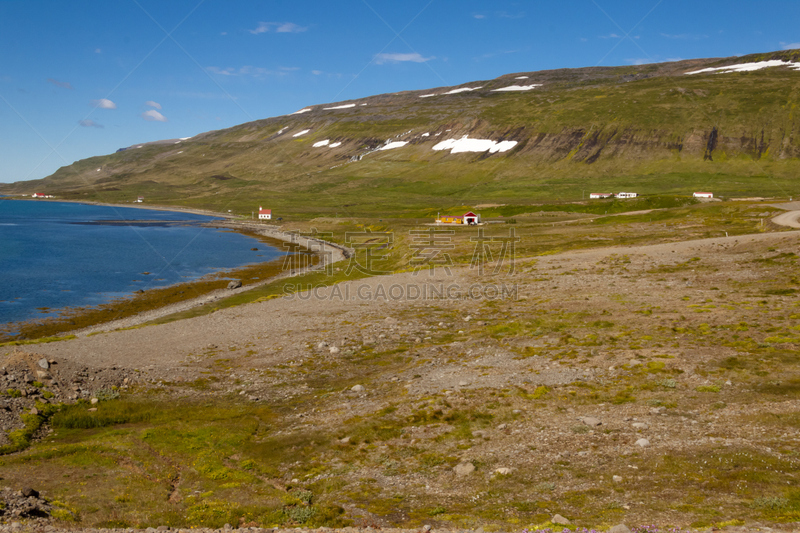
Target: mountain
point(732, 128)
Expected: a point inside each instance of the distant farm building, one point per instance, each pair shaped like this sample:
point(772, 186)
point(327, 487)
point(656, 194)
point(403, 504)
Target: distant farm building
point(140, 199)
point(264, 214)
point(703, 195)
point(601, 195)
point(41, 195)
point(627, 195)
point(469, 218)
point(472, 219)
point(450, 219)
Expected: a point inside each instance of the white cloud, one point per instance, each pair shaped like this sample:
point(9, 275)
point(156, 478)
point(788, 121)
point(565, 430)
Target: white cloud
point(151, 103)
point(479, 17)
point(610, 36)
point(507, 15)
point(279, 27)
point(790, 46)
point(263, 27)
point(685, 36)
point(62, 84)
point(316, 72)
point(87, 123)
point(380, 59)
point(98, 51)
point(104, 103)
point(639, 61)
point(154, 116)
point(222, 71)
point(247, 70)
point(224, 33)
point(290, 27)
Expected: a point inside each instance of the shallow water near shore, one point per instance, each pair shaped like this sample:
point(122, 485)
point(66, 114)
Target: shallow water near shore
point(56, 255)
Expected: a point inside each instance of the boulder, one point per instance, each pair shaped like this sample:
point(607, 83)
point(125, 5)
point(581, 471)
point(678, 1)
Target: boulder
point(619, 528)
point(558, 519)
point(642, 442)
point(28, 492)
point(464, 469)
point(44, 363)
point(591, 421)
point(234, 284)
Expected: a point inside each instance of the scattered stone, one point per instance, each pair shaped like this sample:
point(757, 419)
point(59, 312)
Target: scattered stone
point(322, 345)
point(464, 469)
point(44, 363)
point(642, 442)
point(94, 401)
point(501, 427)
point(616, 479)
point(619, 528)
point(503, 471)
point(92, 410)
point(558, 519)
point(463, 383)
point(34, 411)
point(591, 421)
point(333, 349)
point(357, 388)
point(28, 492)
point(426, 528)
point(640, 425)
point(234, 284)
point(345, 440)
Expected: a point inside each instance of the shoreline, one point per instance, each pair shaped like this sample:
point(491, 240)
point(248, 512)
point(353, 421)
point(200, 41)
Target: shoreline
point(132, 205)
point(332, 252)
point(328, 253)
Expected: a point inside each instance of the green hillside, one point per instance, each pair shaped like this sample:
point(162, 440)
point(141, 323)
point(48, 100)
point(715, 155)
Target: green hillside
point(652, 129)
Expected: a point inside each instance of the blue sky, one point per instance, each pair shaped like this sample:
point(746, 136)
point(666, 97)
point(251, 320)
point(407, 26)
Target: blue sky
point(84, 78)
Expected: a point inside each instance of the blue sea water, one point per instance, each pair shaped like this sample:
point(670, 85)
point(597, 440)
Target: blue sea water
point(60, 254)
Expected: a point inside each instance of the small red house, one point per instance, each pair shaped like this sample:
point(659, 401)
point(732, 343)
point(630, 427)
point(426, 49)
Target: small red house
point(264, 214)
point(468, 218)
point(472, 219)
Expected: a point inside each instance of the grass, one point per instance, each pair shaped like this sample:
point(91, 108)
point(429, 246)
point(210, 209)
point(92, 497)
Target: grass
point(582, 132)
point(601, 347)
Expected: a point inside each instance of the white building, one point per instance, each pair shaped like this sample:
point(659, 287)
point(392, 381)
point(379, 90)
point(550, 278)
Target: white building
point(627, 195)
point(264, 214)
point(703, 195)
point(601, 194)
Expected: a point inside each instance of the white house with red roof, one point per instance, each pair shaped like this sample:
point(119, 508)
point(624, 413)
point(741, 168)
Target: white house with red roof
point(703, 195)
point(472, 219)
point(264, 214)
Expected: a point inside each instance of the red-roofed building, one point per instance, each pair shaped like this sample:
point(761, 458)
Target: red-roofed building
point(264, 214)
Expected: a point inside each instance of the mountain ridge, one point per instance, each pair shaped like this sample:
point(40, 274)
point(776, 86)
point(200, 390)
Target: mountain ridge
point(650, 126)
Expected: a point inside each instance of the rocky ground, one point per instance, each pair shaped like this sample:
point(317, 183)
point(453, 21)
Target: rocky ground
point(598, 388)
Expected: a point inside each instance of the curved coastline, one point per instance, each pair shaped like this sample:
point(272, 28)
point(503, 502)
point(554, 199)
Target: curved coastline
point(327, 253)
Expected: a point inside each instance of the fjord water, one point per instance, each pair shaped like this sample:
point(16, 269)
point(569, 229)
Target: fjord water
point(60, 254)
